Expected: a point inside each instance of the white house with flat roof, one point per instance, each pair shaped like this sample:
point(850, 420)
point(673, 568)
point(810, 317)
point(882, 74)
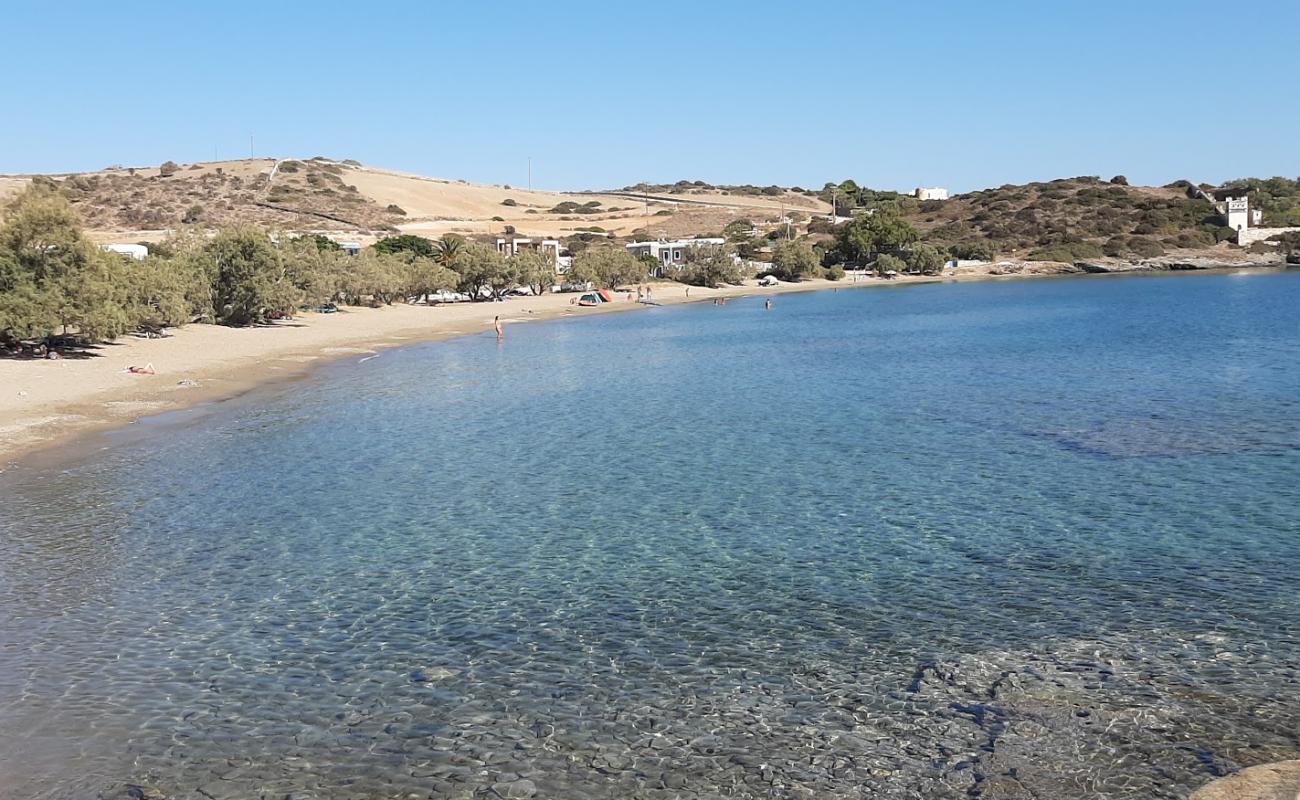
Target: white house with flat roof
point(931, 193)
point(135, 252)
point(670, 253)
point(547, 247)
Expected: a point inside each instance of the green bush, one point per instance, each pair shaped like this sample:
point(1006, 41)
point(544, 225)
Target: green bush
point(1067, 253)
point(973, 251)
point(1144, 247)
point(406, 243)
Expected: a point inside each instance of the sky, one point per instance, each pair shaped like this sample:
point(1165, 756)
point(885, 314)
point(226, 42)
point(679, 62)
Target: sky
point(963, 95)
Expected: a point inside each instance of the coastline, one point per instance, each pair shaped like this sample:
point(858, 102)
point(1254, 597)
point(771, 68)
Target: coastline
point(45, 404)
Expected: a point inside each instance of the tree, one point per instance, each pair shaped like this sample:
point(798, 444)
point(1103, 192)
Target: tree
point(168, 169)
point(248, 276)
point(868, 234)
point(737, 229)
point(58, 277)
point(795, 261)
point(535, 270)
point(607, 266)
point(166, 292)
point(406, 243)
point(925, 259)
point(446, 251)
point(421, 277)
point(709, 265)
point(889, 263)
point(975, 251)
point(482, 269)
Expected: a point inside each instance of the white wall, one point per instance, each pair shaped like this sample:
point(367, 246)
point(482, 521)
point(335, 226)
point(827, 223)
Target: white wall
point(1249, 237)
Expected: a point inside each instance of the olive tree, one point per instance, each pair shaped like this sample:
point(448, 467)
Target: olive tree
point(607, 266)
point(795, 261)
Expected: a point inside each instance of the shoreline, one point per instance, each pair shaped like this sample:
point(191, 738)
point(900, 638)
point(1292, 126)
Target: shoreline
point(48, 404)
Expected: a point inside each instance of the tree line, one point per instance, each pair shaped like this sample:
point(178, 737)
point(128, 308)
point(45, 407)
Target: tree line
point(54, 280)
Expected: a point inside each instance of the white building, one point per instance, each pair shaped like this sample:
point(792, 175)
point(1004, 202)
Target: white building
point(670, 254)
point(351, 248)
point(934, 193)
point(1234, 205)
point(550, 247)
point(135, 252)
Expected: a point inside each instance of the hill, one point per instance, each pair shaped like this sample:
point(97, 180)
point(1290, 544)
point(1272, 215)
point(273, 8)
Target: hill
point(1073, 218)
point(332, 196)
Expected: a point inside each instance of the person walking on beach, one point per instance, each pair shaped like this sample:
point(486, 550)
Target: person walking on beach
point(496, 323)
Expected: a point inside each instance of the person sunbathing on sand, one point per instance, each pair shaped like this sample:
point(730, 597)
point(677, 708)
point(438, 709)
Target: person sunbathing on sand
point(147, 369)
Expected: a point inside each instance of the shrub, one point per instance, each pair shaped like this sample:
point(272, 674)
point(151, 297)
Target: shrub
point(1066, 252)
point(834, 273)
point(1119, 180)
point(168, 169)
point(498, 219)
point(1144, 247)
point(192, 214)
point(406, 243)
point(509, 201)
point(974, 251)
point(394, 208)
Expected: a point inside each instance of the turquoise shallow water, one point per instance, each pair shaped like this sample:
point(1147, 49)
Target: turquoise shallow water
point(1003, 540)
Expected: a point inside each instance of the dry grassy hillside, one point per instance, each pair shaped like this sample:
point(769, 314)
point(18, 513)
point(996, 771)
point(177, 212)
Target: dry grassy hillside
point(1079, 216)
point(324, 195)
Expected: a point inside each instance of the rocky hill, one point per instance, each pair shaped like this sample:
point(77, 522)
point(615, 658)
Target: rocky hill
point(1073, 218)
point(328, 195)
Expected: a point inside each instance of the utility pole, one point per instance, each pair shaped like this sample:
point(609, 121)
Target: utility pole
point(530, 173)
point(250, 145)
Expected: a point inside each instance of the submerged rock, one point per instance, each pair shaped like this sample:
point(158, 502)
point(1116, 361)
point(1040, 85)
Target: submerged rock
point(1278, 781)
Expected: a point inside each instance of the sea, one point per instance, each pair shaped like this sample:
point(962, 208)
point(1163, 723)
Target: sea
point(1020, 539)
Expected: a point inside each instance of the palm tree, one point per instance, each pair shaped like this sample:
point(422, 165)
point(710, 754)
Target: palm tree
point(446, 251)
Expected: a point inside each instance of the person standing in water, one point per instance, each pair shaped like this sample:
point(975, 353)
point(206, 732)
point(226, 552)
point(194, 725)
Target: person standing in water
point(496, 324)
point(768, 304)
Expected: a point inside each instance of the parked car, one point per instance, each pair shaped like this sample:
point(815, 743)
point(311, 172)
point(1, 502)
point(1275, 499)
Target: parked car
point(445, 296)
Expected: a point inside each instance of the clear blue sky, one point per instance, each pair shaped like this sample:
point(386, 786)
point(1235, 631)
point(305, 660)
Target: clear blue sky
point(892, 94)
